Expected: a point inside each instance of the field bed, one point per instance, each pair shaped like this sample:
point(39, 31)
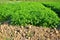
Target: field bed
point(29, 21)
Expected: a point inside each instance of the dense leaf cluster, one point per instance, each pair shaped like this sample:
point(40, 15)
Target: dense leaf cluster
point(55, 6)
point(24, 13)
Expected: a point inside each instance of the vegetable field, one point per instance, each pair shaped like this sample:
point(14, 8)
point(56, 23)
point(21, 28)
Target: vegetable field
point(24, 13)
point(28, 20)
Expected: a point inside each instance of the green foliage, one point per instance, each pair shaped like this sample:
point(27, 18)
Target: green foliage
point(32, 0)
point(24, 13)
point(55, 6)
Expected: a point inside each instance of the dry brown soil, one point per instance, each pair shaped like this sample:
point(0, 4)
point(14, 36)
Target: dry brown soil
point(8, 32)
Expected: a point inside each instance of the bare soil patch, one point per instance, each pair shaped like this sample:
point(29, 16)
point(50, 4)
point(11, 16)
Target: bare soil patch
point(8, 32)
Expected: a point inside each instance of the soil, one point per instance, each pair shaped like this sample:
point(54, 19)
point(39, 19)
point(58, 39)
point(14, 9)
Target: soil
point(29, 32)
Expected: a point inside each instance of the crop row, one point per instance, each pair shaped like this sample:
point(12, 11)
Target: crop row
point(55, 6)
point(24, 13)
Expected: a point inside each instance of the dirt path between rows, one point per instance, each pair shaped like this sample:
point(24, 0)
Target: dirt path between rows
point(28, 33)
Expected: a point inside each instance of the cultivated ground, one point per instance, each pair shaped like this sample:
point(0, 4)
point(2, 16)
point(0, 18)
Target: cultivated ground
point(8, 32)
point(29, 32)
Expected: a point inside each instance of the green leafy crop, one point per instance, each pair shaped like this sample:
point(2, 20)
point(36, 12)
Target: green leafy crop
point(25, 13)
point(55, 6)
